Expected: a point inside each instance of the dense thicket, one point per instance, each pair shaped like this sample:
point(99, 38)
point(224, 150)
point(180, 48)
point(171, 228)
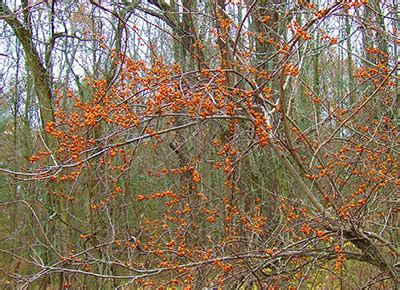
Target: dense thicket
point(199, 143)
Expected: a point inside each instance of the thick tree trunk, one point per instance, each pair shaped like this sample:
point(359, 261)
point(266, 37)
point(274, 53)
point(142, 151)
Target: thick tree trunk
point(41, 77)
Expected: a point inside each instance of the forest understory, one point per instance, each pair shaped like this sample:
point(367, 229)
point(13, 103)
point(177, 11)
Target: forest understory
point(197, 144)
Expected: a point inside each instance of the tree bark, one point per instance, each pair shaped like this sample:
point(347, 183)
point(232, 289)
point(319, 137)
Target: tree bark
point(40, 75)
